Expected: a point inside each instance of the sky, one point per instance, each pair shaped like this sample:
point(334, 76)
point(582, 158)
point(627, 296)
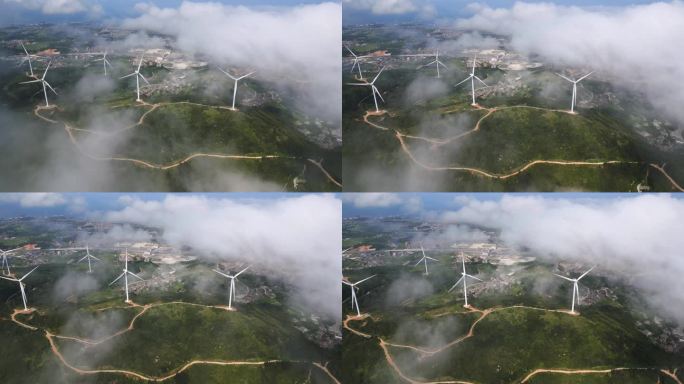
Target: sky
point(431, 204)
point(396, 11)
point(295, 236)
point(84, 204)
point(625, 236)
point(33, 11)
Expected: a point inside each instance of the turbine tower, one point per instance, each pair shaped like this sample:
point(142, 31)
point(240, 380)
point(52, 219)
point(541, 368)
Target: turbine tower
point(354, 300)
point(231, 294)
point(45, 83)
point(138, 76)
point(5, 261)
point(464, 277)
point(374, 89)
point(125, 274)
point(574, 89)
point(21, 285)
point(28, 58)
point(436, 62)
point(575, 288)
point(88, 256)
point(472, 79)
point(105, 63)
point(357, 62)
point(424, 260)
point(236, 79)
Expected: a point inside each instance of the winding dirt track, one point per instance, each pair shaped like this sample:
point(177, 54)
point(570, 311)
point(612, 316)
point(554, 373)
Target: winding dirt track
point(471, 332)
point(55, 349)
point(400, 136)
point(158, 166)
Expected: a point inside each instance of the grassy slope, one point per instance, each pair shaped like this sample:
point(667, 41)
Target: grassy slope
point(507, 345)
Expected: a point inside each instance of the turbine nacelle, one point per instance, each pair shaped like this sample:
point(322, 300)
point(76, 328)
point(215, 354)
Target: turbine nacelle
point(353, 287)
point(231, 294)
point(374, 89)
point(472, 77)
point(44, 83)
point(575, 287)
point(236, 79)
point(124, 274)
point(21, 286)
point(574, 88)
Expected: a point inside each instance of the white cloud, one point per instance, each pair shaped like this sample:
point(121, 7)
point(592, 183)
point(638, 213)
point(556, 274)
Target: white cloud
point(625, 236)
point(300, 237)
point(34, 200)
point(639, 44)
point(392, 7)
point(297, 46)
point(373, 200)
point(57, 7)
point(383, 7)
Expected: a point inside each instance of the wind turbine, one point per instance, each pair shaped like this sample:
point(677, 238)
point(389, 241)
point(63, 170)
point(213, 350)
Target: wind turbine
point(28, 58)
point(437, 63)
point(464, 277)
point(575, 287)
point(21, 285)
point(574, 89)
point(357, 62)
point(374, 89)
point(424, 259)
point(88, 256)
point(138, 76)
point(231, 294)
point(125, 274)
point(5, 262)
point(105, 63)
point(236, 79)
point(472, 79)
point(45, 83)
point(353, 288)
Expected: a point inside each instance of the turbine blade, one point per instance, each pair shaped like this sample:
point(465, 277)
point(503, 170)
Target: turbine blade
point(455, 284)
point(225, 73)
point(247, 75)
point(476, 278)
point(117, 279)
point(140, 63)
point(131, 273)
point(350, 51)
point(26, 275)
point(480, 80)
point(129, 75)
point(359, 282)
point(572, 81)
point(466, 79)
point(375, 89)
point(46, 69)
point(361, 84)
point(29, 82)
point(563, 277)
point(143, 77)
point(8, 278)
point(221, 273)
point(238, 274)
point(585, 273)
point(82, 258)
point(584, 77)
point(378, 75)
point(50, 86)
